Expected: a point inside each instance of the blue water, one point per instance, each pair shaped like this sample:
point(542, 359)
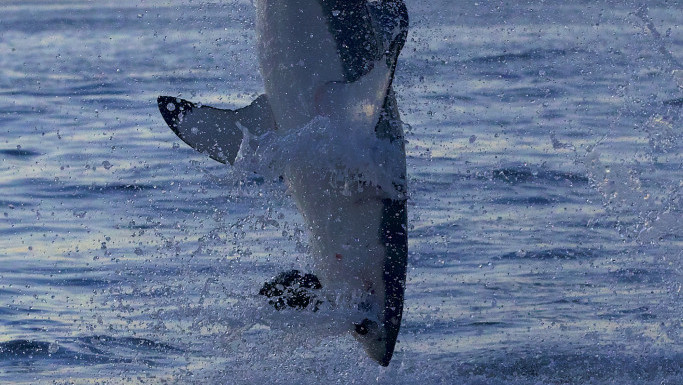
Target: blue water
point(545, 167)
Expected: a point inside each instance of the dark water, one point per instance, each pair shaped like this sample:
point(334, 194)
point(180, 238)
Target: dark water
point(545, 173)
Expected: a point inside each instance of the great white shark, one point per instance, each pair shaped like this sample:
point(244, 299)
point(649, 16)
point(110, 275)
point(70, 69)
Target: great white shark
point(332, 60)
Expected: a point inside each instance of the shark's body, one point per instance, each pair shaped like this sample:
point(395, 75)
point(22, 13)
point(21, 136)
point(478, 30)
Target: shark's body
point(336, 59)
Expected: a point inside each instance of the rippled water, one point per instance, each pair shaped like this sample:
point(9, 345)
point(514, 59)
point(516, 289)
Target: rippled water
point(545, 174)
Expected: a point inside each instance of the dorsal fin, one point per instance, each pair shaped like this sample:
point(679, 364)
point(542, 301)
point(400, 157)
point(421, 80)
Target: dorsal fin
point(369, 53)
point(379, 30)
point(358, 47)
point(390, 21)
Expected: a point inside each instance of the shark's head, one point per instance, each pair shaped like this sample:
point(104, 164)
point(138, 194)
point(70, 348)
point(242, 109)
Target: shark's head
point(377, 340)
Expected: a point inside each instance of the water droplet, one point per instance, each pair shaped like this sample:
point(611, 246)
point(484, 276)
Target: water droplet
point(52, 348)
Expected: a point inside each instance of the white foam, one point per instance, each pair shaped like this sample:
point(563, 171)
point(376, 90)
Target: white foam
point(347, 153)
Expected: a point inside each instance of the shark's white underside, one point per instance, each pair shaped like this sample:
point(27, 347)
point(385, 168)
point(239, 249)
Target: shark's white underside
point(347, 180)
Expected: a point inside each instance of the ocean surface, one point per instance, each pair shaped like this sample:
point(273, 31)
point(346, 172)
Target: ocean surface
point(545, 161)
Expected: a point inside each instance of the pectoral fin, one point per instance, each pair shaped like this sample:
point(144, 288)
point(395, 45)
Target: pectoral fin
point(213, 131)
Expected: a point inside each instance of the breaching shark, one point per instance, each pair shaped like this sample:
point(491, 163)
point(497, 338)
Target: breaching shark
point(331, 63)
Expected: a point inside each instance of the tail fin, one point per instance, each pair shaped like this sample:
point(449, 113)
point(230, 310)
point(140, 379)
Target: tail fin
point(213, 131)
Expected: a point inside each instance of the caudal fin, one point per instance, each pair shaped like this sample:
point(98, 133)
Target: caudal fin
point(213, 131)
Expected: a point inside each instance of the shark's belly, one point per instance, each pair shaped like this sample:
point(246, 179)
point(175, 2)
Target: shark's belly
point(350, 187)
point(297, 55)
point(345, 219)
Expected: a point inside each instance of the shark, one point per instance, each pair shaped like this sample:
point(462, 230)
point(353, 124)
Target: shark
point(328, 68)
